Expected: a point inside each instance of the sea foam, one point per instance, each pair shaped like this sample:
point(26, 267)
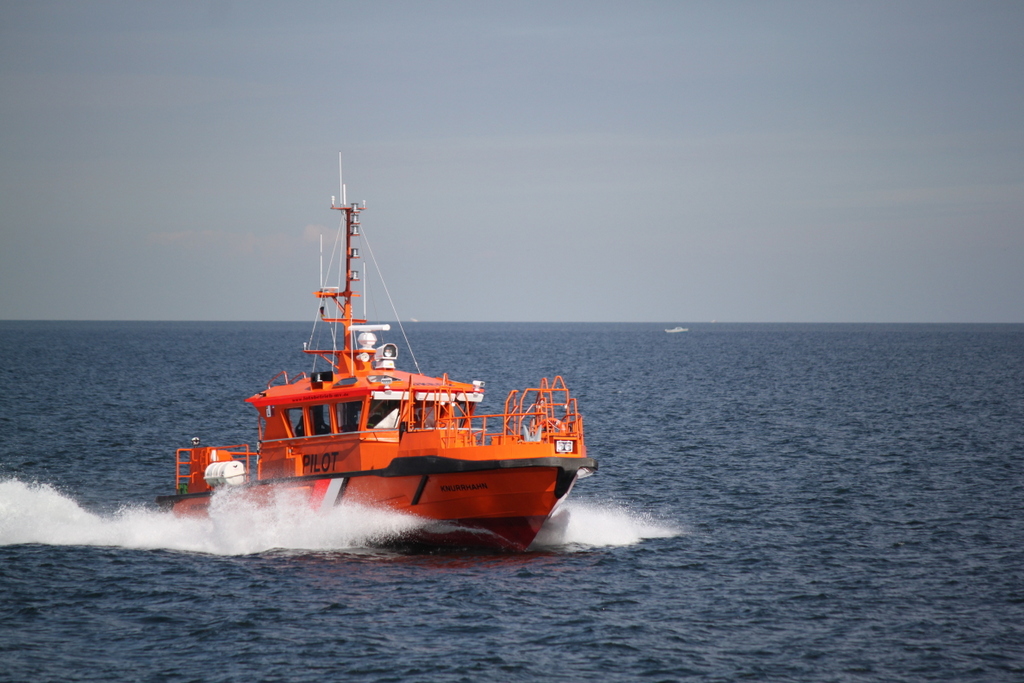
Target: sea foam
point(38, 513)
point(590, 524)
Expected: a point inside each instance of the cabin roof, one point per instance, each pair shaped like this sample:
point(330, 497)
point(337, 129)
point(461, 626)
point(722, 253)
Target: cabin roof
point(304, 390)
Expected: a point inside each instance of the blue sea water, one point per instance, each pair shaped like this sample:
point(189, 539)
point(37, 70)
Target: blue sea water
point(775, 502)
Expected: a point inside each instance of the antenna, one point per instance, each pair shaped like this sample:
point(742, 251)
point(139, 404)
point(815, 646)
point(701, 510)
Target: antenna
point(322, 256)
point(341, 182)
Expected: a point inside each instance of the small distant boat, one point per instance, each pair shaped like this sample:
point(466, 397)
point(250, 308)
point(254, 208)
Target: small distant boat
point(678, 329)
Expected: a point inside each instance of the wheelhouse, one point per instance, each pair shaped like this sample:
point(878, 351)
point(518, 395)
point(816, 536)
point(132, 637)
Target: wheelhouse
point(358, 412)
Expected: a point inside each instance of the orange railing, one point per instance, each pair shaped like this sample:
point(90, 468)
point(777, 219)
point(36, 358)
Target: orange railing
point(287, 380)
point(541, 413)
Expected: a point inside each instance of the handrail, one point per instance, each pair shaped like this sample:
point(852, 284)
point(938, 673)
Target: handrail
point(287, 381)
point(542, 413)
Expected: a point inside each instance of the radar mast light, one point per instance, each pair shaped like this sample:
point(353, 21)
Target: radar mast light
point(386, 352)
point(384, 357)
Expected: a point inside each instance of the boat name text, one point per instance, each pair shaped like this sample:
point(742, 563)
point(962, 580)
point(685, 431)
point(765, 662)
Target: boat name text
point(313, 463)
point(449, 488)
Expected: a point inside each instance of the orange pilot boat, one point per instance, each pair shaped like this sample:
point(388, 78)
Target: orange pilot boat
point(363, 431)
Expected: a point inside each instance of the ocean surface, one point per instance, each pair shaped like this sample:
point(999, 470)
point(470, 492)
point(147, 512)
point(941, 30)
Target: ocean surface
point(774, 502)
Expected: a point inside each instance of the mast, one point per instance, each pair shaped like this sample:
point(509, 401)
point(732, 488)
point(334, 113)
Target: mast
point(336, 303)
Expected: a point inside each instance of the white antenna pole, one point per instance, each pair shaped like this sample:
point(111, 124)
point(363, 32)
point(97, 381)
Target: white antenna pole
point(341, 181)
point(321, 260)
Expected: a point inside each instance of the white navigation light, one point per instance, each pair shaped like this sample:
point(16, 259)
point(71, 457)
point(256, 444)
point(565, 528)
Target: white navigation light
point(366, 340)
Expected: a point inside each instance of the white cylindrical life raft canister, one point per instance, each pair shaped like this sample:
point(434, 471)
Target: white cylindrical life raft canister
point(225, 473)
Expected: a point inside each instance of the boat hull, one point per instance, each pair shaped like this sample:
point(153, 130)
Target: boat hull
point(479, 504)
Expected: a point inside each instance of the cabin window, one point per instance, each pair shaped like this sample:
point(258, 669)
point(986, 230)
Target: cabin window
point(425, 416)
point(320, 419)
point(460, 411)
point(274, 426)
point(383, 414)
point(295, 421)
point(348, 416)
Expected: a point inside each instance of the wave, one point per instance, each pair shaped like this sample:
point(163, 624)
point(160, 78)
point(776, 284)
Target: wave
point(40, 514)
point(589, 524)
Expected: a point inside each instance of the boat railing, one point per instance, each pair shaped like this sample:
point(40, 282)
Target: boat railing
point(540, 414)
point(287, 380)
point(191, 464)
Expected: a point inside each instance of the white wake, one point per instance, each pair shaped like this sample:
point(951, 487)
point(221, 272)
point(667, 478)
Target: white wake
point(591, 525)
point(38, 513)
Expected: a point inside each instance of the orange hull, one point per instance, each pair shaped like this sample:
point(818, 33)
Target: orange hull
point(502, 508)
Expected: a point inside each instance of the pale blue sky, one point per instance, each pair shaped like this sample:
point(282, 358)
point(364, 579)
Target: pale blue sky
point(534, 161)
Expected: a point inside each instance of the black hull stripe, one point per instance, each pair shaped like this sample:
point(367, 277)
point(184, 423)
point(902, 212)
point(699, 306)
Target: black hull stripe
point(421, 465)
